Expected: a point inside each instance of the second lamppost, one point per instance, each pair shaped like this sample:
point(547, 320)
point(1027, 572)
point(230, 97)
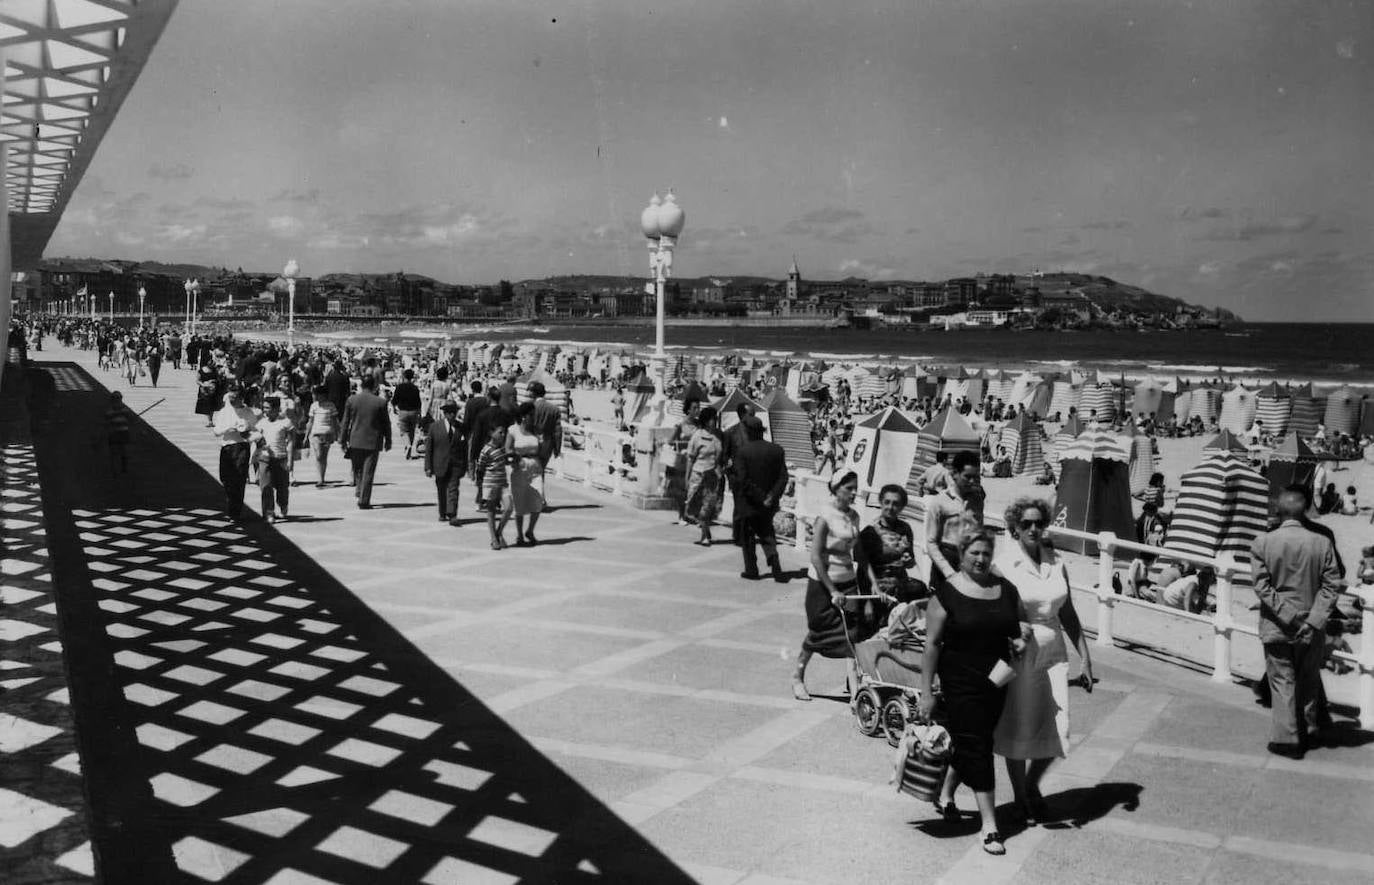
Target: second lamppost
point(142, 294)
point(290, 272)
point(662, 222)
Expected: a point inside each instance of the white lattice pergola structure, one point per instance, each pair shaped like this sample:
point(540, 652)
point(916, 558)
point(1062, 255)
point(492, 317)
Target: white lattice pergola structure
point(68, 65)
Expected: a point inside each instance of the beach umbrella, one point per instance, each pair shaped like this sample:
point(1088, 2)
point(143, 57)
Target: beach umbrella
point(1024, 441)
point(1226, 441)
point(1291, 463)
point(946, 432)
point(1094, 493)
point(1222, 505)
point(1237, 409)
point(790, 428)
point(882, 448)
point(1063, 397)
point(1342, 411)
point(1306, 411)
point(1272, 404)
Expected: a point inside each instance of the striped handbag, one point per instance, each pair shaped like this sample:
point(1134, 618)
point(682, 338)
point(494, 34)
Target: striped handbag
point(921, 761)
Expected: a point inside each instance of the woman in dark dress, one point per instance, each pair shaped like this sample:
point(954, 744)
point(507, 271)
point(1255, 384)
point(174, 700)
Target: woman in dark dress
point(975, 622)
point(209, 391)
point(890, 548)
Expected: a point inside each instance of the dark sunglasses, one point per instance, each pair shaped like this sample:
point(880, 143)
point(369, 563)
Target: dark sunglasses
point(1034, 523)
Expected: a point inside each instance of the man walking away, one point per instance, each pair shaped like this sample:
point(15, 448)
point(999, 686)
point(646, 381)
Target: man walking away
point(405, 399)
point(366, 433)
point(760, 471)
point(446, 459)
point(1297, 582)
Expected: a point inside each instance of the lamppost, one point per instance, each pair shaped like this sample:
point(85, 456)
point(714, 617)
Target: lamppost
point(112, 307)
point(142, 294)
point(662, 222)
point(290, 272)
point(192, 293)
point(186, 324)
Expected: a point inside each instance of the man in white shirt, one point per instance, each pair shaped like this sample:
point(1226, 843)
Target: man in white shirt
point(233, 424)
point(276, 439)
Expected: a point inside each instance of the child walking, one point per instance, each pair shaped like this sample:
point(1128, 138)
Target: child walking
point(491, 480)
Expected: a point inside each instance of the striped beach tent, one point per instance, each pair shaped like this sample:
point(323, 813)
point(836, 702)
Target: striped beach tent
point(639, 393)
point(790, 428)
point(999, 386)
point(1063, 397)
point(956, 387)
point(1367, 418)
point(1140, 452)
point(1291, 463)
point(1022, 387)
point(882, 449)
point(1094, 493)
point(946, 432)
point(1037, 399)
point(1237, 409)
point(1226, 441)
point(1342, 411)
point(1099, 398)
point(1206, 404)
point(1222, 505)
point(1272, 403)
point(1306, 411)
point(869, 383)
point(1153, 400)
point(1024, 441)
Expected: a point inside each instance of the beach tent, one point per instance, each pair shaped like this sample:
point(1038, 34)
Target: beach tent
point(1237, 409)
point(1342, 411)
point(1024, 441)
point(1183, 406)
point(1153, 400)
point(1272, 403)
point(882, 449)
point(1226, 441)
point(554, 390)
point(1140, 452)
point(1094, 491)
point(1021, 389)
point(1205, 404)
point(1037, 399)
point(998, 386)
point(868, 383)
point(727, 405)
point(1305, 412)
point(1367, 419)
point(1222, 505)
point(1099, 398)
point(1064, 397)
point(790, 428)
point(1291, 463)
point(946, 432)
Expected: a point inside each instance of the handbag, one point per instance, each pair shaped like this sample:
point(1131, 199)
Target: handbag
point(922, 761)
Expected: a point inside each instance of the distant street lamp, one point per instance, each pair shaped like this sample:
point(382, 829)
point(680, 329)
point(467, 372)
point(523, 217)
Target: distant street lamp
point(290, 272)
point(112, 307)
point(142, 294)
point(662, 222)
point(193, 292)
point(186, 324)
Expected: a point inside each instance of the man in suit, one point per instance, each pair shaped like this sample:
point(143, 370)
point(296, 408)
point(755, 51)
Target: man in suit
point(548, 423)
point(446, 459)
point(1297, 582)
point(760, 472)
point(337, 387)
point(734, 440)
point(366, 432)
point(476, 405)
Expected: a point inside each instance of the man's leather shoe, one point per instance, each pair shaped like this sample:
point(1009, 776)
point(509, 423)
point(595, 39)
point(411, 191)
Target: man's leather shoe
point(1290, 751)
point(751, 576)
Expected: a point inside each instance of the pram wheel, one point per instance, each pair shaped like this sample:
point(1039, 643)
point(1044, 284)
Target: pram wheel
point(896, 714)
point(868, 712)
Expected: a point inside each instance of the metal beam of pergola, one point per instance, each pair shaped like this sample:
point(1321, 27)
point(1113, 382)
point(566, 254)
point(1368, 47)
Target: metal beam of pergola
point(68, 65)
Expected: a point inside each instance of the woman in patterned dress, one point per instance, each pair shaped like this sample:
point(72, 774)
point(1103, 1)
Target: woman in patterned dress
point(704, 476)
point(891, 548)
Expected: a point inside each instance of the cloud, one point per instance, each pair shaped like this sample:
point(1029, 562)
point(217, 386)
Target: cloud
point(285, 225)
point(831, 225)
point(171, 171)
point(830, 215)
point(1188, 213)
point(868, 268)
point(222, 203)
point(1106, 225)
point(1210, 268)
point(292, 196)
point(181, 233)
point(724, 123)
point(1345, 48)
point(1281, 226)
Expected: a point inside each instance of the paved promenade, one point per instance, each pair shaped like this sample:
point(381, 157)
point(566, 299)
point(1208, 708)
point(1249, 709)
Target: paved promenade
point(365, 696)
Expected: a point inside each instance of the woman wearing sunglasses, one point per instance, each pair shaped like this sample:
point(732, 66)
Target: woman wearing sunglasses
point(1035, 721)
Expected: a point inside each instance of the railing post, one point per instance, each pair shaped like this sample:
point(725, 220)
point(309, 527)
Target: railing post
point(1366, 658)
point(798, 511)
point(1221, 620)
point(1106, 601)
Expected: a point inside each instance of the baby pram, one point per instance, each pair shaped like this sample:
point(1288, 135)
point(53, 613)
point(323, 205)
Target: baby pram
point(889, 671)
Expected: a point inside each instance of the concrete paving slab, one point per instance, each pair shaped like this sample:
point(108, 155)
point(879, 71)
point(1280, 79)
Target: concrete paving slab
point(1336, 818)
point(1078, 857)
point(1184, 793)
point(1229, 867)
point(520, 644)
point(644, 614)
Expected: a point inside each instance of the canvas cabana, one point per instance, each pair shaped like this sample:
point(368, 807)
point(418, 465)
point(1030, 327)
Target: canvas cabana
point(1205, 404)
point(1094, 493)
point(1291, 463)
point(1140, 453)
point(1063, 397)
point(1099, 398)
point(790, 428)
point(1237, 409)
point(882, 449)
point(946, 432)
point(1222, 505)
point(1272, 404)
point(1342, 411)
point(727, 408)
point(1024, 441)
point(1226, 441)
point(1306, 411)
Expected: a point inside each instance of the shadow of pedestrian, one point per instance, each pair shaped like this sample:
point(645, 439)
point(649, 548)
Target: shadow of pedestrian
point(1078, 806)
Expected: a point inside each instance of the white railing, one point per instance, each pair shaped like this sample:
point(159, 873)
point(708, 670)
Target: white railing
point(810, 493)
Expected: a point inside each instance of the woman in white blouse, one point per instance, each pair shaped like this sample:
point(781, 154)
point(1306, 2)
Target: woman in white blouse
point(1035, 721)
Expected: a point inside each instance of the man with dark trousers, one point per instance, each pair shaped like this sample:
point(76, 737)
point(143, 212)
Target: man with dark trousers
point(734, 440)
point(446, 459)
point(366, 432)
point(337, 387)
point(1297, 582)
point(760, 472)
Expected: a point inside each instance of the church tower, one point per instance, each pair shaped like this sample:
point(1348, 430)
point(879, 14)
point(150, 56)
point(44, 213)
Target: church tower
point(793, 281)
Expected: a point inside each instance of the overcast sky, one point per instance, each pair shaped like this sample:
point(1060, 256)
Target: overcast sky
point(1216, 151)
